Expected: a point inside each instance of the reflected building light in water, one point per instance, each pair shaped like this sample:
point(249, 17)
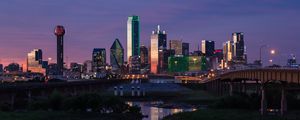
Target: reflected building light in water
point(154, 113)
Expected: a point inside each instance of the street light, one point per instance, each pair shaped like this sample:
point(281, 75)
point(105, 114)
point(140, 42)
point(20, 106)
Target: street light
point(272, 52)
point(271, 61)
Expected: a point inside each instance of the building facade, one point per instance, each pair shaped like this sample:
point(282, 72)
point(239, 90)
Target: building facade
point(99, 60)
point(35, 61)
point(158, 47)
point(144, 56)
point(178, 64)
point(133, 36)
point(239, 55)
point(185, 49)
point(135, 65)
point(208, 47)
point(177, 46)
point(116, 55)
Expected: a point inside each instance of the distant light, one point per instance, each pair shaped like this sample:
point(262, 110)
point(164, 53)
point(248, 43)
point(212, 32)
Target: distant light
point(272, 52)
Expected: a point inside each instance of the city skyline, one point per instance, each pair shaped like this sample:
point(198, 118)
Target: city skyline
point(31, 26)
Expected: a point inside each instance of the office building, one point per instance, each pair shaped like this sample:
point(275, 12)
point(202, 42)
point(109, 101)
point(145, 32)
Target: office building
point(60, 32)
point(178, 64)
point(87, 67)
point(238, 46)
point(133, 36)
point(99, 60)
point(219, 54)
point(292, 62)
point(208, 47)
point(194, 63)
point(185, 49)
point(158, 46)
point(228, 51)
point(116, 55)
point(135, 65)
point(144, 56)
point(76, 67)
point(35, 62)
point(177, 46)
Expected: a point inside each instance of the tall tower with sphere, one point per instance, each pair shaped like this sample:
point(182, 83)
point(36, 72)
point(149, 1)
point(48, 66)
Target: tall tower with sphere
point(60, 32)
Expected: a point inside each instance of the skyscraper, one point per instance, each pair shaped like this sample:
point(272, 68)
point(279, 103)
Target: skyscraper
point(87, 67)
point(144, 56)
point(208, 47)
point(133, 36)
point(99, 59)
point(35, 61)
point(185, 49)
point(116, 54)
point(227, 53)
point(238, 47)
point(158, 47)
point(177, 46)
point(60, 32)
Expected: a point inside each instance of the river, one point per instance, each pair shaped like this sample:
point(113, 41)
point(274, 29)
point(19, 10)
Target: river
point(154, 111)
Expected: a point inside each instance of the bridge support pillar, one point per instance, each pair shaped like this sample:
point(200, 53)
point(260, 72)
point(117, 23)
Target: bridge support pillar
point(121, 90)
point(138, 91)
point(256, 87)
point(244, 89)
point(283, 102)
point(116, 91)
point(263, 104)
point(132, 91)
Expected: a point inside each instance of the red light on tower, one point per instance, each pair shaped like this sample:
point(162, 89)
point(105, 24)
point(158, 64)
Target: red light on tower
point(59, 30)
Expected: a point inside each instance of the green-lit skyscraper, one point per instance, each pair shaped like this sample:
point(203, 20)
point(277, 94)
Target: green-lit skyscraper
point(133, 36)
point(116, 54)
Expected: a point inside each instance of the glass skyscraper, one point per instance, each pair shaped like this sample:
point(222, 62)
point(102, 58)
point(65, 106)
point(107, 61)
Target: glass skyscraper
point(238, 47)
point(99, 59)
point(208, 47)
point(116, 54)
point(158, 47)
point(133, 36)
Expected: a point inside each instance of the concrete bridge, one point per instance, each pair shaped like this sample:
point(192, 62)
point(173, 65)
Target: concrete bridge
point(239, 81)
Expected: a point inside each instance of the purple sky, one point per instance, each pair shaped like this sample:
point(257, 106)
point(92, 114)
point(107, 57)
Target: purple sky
point(29, 24)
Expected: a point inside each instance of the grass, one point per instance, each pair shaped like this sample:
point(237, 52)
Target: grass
point(223, 114)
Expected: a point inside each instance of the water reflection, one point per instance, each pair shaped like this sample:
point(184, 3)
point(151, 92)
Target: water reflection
point(154, 112)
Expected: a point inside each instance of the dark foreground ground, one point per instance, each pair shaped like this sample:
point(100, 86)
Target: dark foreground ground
point(60, 115)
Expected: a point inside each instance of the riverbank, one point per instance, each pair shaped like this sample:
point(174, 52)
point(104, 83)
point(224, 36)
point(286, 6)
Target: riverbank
point(228, 114)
